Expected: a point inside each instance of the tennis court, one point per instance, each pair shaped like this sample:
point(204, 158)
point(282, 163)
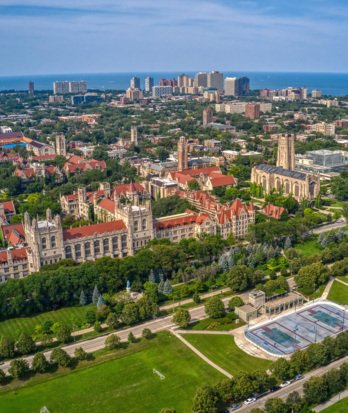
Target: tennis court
point(295, 331)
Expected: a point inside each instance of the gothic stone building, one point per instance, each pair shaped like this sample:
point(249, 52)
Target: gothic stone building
point(283, 177)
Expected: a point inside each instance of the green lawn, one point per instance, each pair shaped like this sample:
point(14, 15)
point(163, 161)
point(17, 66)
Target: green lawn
point(73, 316)
point(308, 247)
point(220, 324)
point(338, 293)
point(223, 351)
point(339, 407)
point(124, 384)
point(344, 278)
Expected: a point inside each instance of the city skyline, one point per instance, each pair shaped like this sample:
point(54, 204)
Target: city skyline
point(250, 35)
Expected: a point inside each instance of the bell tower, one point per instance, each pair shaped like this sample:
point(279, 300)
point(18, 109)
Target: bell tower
point(286, 152)
point(182, 154)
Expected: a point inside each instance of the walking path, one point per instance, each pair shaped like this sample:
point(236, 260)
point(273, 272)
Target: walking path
point(342, 282)
point(332, 401)
point(225, 333)
point(327, 289)
point(201, 355)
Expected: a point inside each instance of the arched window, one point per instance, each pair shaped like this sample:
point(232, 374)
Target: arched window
point(68, 252)
point(144, 224)
point(114, 243)
point(43, 243)
point(96, 247)
point(136, 226)
point(53, 242)
point(87, 249)
point(106, 245)
point(77, 250)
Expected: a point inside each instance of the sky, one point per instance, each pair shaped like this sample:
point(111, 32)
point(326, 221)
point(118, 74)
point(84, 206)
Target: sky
point(90, 36)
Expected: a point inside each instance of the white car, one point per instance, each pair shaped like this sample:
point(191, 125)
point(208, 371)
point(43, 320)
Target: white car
point(284, 384)
point(250, 401)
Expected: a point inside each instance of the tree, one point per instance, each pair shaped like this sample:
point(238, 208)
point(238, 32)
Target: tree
point(131, 338)
point(25, 344)
point(40, 363)
point(63, 333)
point(7, 347)
point(81, 354)
point(95, 295)
point(152, 277)
point(235, 302)
point(97, 326)
point(182, 317)
point(83, 299)
point(91, 317)
point(287, 243)
point(130, 314)
point(100, 302)
point(167, 287)
point(315, 390)
point(19, 368)
point(112, 320)
point(214, 307)
point(60, 357)
point(147, 334)
point(281, 369)
point(2, 377)
point(206, 400)
point(112, 342)
point(275, 405)
point(238, 277)
point(193, 185)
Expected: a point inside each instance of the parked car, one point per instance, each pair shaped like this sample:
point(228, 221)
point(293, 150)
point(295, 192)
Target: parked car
point(298, 377)
point(284, 384)
point(234, 407)
point(249, 401)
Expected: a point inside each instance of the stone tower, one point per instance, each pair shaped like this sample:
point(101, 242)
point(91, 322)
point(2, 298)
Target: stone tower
point(207, 116)
point(61, 145)
point(134, 135)
point(286, 152)
point(182, 154)
point(44, 239)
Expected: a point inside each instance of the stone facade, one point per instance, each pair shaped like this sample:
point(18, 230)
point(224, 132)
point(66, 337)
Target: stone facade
point(284, 178)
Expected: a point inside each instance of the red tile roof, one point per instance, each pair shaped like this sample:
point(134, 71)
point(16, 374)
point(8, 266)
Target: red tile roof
point(13, 234)
point(133, 187)
point(176, 221)
point(16, 254)
point(95, 229)
point(9, 207)
point(274, 211)
point(222, 180)
point(107, 204)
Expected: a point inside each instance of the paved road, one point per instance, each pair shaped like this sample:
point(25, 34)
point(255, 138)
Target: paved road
point(340, 223)
point(159, 324)
point(295, 386)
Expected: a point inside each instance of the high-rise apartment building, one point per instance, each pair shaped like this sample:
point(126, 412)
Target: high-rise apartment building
point(230, 86)
point(63, 87)
point(201, 79)
point(316, 93)
point(135, 83)
point(149, 83)
point(252, 110)
point(243, 86)
point(215, 80)
point(31, 87)
point(159, 91)
point(184, 81)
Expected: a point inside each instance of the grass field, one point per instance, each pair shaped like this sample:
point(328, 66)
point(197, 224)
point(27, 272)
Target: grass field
point(124, 384)
point(308, 247)
point(223, 351)
point(339, 293)
point(73, 316)
point(219, 324)
point(339, 407)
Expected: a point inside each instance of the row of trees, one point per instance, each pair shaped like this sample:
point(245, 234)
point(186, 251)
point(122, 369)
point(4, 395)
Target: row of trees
point(212, 399)
point(62, 286)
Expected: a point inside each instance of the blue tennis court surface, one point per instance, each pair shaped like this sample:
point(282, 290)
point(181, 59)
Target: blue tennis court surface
point(299, 329)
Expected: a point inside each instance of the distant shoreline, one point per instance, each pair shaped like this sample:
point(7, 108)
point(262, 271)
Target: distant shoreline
point(334, 84)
